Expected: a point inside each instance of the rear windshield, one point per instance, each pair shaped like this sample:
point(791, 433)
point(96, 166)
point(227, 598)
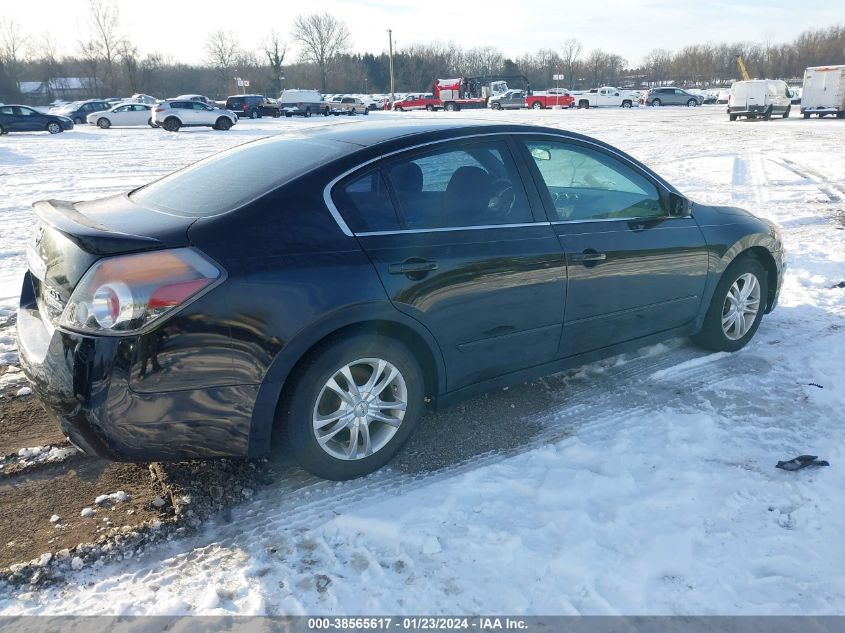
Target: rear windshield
point(233, 178)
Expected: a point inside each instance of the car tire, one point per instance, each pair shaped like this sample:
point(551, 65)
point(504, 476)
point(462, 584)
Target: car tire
point(399, 109)
point(223, 124)
point(307, 112)
point(716, 336)
point(692, 103)
point(2, 130)
point(732, 117)
point(767, 116)
point(366, 112)
point(151, 123)
point(451, 107)
point(54, 128)
point(429, 108)
point(172, 124)
point(310, 397)
point(496, 106)
point(276, 114)
point(537, 105)
point(288, 115)
point(103, 123)
point(78, 121)
point(627, 104)
point(583, 105)
point(656, 103)
point(787, 112)
point(254, 114)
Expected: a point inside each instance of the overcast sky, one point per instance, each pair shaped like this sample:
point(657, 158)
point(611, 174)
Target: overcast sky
point(630, 28)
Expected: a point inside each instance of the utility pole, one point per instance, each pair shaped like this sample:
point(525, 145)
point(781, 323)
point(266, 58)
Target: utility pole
point(390, 40)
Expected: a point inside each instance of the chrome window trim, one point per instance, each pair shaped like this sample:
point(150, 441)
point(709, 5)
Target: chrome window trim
point(453, 228)
point(344, 227)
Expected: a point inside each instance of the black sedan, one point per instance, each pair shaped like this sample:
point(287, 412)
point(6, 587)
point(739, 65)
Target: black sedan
point(365, 272)
point(20, 118)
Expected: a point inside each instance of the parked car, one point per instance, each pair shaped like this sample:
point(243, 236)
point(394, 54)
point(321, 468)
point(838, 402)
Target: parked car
point(123, 114)
point(78, 111)
point(508, 100)
point(417, 101)
point(823, 91)
point(670, 96)
point(190, 97)
point(253, 106)
point(549, 99)
point(349, 105)
point(411, 265)
point(763, 98)
point(606, 96)
point(172, 115)
point(142, 98)
point(21, 118)
point(796, 94)
point(302, 103)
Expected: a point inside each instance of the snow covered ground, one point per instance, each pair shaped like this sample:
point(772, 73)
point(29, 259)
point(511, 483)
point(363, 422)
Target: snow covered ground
point(650, 488)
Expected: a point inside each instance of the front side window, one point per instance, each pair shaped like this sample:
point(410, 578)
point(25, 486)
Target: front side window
point(473, 185)
point(588, 185)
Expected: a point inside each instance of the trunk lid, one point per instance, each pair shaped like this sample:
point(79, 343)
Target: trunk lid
point(70, 237)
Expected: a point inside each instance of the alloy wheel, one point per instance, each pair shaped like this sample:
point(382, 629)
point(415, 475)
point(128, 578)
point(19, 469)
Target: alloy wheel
point(360, 409)
point(741, 306)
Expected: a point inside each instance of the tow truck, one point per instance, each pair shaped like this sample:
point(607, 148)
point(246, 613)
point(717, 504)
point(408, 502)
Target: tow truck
point(474, 92)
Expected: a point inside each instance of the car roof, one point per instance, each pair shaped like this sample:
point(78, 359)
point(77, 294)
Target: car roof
point(366, 134)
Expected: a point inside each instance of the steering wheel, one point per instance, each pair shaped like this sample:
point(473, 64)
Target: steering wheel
point(503, 198)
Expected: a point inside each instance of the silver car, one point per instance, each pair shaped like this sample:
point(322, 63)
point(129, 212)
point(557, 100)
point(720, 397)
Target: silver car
point(671, 96)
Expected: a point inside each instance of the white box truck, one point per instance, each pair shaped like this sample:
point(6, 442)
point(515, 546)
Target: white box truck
point(824, 91)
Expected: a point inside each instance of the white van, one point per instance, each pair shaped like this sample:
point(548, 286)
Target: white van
point(303, 102)
point(824, 91)
point(762, 98)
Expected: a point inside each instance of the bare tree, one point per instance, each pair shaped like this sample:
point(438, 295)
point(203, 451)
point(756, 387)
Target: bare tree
point(102, 49)
point(570, 54)
point(222, 49)
point(275, 49)
point(12, 45)
point(322, 38)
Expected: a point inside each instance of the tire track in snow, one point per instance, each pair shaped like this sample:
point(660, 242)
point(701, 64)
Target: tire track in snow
point(605, 399)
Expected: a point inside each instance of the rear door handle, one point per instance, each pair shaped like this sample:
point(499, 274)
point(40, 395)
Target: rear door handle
point(587, 256)
point(406, 267)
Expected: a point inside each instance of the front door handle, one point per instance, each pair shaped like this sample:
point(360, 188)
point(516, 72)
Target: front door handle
point(412, 266)
point(587, 256)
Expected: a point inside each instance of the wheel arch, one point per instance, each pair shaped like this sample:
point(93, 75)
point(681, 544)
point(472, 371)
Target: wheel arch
point(384, 321)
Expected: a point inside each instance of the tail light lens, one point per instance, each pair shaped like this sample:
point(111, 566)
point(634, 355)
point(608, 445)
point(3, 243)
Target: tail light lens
point(160, 109)
point(124, 294)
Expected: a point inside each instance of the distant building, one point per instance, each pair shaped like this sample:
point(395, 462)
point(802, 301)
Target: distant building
point(67, 88)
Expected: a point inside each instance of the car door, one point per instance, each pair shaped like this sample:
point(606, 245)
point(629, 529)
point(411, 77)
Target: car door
point(140, 114)
point(30, 120)
point(460, 245)
point(8, 118)
point(634, 269)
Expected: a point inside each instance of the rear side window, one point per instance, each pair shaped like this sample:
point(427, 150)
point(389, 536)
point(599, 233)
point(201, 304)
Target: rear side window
point(215, 185)
point(366, 205)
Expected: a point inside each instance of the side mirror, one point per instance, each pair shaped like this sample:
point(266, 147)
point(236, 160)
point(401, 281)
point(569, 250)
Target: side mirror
point(540, 153)
point(679, 207)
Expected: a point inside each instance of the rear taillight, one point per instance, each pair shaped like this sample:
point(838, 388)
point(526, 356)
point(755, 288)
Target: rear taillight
point(159, 109)
point(245, 107)
point(124, 294)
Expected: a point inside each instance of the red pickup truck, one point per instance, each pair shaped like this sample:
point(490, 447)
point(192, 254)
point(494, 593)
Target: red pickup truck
point(550, 98)
point(418, 102)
